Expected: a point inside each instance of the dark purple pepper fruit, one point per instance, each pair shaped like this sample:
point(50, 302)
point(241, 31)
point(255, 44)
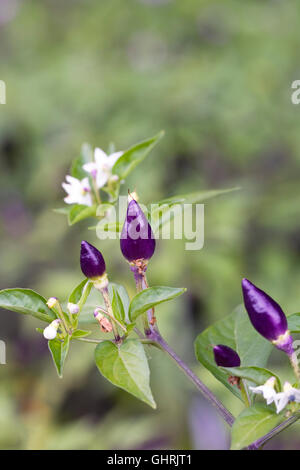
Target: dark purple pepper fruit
point(226, 357)
point(267, 316)
point(137, 239)
point(91, 261)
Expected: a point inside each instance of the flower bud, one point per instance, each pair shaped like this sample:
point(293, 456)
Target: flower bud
point(50, 331)
point(91, 261)
point(52, 302)
point(226, 357)
point(267, 316)
point(137, 239)
point(73, 308)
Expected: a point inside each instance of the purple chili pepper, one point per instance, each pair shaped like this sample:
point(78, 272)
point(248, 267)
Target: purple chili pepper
point(137, 239)
point(226, 357)
point(267, 317)
point(91, 261)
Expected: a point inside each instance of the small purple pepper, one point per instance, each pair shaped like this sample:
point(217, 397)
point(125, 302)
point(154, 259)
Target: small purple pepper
point(91, 261)
point(137, 239)
point(226, 357)
point(267, 317)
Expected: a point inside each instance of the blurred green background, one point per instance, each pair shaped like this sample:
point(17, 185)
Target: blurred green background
point(217, 77)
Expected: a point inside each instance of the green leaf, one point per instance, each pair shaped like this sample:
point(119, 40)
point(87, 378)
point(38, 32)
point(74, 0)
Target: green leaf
point(126, 366)
point(117, 305)
point(59, 350)
point(165, 210)
point(80, 334)
point(294, 322)
point(235, 331)
point(85, 156)
point(81, 292)
point(26, 301)
point(192, 198)
point(112, 227)
point(80, 212)
point(124, 297)
point(258, 375)
point(150, 297)
point(252, 424)
point(134, 155)
point(63, 210)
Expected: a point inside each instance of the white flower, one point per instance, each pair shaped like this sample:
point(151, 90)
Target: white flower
point(101, 168)
point(289, 394)
point(79, 192)
point(73, 308)
point(267, 390)
point(50, 331)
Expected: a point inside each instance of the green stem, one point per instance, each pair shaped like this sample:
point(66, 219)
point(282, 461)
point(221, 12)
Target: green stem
point(295, 366)
point(245, 393)
point(281, 427)
point(61, 316)
point(96, 191)
point(85, 340)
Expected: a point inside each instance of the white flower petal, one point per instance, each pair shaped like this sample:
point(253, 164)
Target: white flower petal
point(102, 178)
point(281, 401)
point(78, 192)
point(114, 157)
point(90, 167)
point(100, 156)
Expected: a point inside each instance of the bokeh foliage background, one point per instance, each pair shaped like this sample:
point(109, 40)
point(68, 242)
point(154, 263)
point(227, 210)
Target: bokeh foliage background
point(217, 77)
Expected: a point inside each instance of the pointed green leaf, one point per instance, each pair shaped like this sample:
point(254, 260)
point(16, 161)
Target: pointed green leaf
point(112, 227)
point(80, 212)
point(167, 209)
point(134, 155)
point(80, 293)
point(192, 198)
point(59, 350)
point(124, 297)
point(252, 424)
point(63, 210)
point(235, 331)
point(117, 305)
point(80, 334)
point(151, 297)
point(126, 366)
point(26, 301)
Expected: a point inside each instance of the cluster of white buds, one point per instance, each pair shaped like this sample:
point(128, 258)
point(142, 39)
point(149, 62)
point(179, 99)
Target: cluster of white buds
point(50, 332)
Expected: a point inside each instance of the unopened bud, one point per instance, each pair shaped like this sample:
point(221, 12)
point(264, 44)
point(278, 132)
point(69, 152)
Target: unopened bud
point(73, 308)
point(51, 302)
point(50, 332)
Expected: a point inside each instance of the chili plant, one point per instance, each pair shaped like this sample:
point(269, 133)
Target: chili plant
point(235, 349)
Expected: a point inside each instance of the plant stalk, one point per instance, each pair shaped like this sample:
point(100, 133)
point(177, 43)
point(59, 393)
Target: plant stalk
point(208, 394)
point(256, 445)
